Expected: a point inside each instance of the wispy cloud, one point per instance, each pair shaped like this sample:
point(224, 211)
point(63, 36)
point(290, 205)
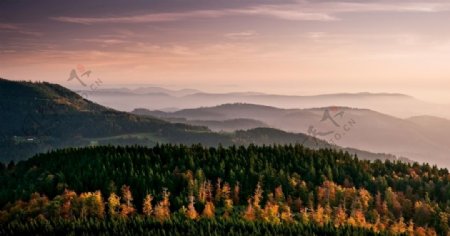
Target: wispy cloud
point(109, 41)
point(165, 17)
point(14, 28)
point(241, 35)
point(4, 26)
point(154, 17)
point(383, 6)
point(300, 11)
point(286, 13)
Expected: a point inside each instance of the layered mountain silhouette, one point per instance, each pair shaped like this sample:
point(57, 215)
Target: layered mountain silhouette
point(398, 105)
point(39, 116)
point(421, 138)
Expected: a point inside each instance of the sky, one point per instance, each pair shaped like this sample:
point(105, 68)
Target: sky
point(302, 47)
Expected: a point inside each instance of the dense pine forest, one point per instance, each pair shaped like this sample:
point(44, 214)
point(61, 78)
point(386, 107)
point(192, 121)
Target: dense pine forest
point(178, 190)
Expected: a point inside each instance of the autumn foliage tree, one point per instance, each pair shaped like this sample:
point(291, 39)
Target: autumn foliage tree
point(289, 186)
point(162, 209)
point(191, 213)
point(147, 207)
point(209, 210)
point(126, 208)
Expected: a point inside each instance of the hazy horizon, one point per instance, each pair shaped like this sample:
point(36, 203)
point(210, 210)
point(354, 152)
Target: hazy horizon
point(279, 47)
point(232, 89)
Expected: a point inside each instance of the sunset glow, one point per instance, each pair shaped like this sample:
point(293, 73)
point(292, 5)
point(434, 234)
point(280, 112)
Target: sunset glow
point(286, 47)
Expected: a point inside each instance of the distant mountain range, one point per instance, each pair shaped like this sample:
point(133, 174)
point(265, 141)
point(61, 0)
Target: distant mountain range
point(154, 98)
point(148, 91)
point(421, 138)
point(37, 117)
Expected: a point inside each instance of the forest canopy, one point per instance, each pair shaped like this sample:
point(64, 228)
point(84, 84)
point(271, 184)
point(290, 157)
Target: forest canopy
point(280, 189)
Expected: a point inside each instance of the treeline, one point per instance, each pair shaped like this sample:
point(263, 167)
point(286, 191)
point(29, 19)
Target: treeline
point(87, 213)
point(175, 226)
point(287, 188)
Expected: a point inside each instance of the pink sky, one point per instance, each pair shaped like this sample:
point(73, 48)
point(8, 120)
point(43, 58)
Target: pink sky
point(286, 47)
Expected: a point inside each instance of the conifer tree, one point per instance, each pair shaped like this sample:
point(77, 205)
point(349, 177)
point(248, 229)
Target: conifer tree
point(249, 213)
point(286, 214)
point(340, 217)
point(127, 207)
point(209, 210)
point(191, 213)
point(162, 210)
point(147, 207)
point(113, 204)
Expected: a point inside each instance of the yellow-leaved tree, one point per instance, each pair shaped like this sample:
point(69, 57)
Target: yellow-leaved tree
point(249, 213)
point(162, 210)
point(257, 198)
point(209, 210)
point(68, 199)
point(319, 216)
point(218, 195)
point(399, 227)
point(92, 205)
point(286, 214)
point(113, 205)
point(270, 211)
point(340, 217)
point(127, 207)
point(191, 213)
point(147, 207)
point(228, 202)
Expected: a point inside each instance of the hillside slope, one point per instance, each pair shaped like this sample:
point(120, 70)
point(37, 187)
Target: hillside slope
point(37, 117)
point(423, 139)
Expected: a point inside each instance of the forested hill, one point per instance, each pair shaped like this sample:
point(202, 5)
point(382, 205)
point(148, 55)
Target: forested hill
point(44, 109)
point(39, 116)
point(267, 189)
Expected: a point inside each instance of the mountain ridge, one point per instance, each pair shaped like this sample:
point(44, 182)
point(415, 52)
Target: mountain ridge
point(54, 117)
point(374, 131)
point(394, 104)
